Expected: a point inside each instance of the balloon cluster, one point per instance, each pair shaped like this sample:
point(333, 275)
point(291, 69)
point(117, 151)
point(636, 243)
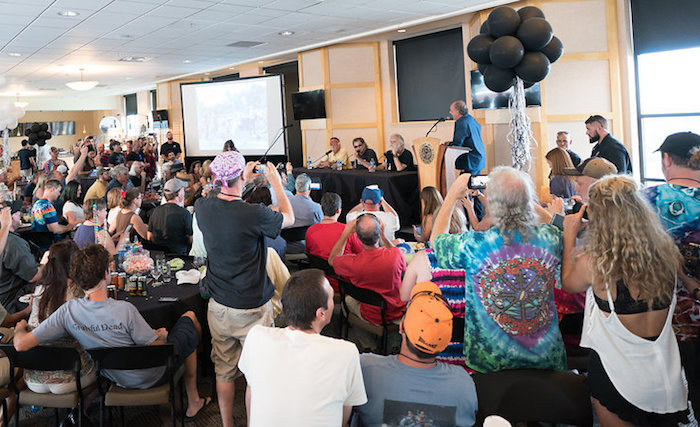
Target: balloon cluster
point(10, 114)
point(38, 133)
point(514, 43)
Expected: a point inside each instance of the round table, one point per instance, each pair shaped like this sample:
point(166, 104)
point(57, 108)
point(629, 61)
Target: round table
point(164, 314)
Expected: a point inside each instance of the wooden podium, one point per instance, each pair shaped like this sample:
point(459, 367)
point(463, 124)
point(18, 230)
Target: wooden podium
point(429, 159)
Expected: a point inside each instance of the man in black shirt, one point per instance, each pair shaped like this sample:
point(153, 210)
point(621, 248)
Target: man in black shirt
point(607, 146)
point(117, 157)
point(363, 154)
point(564, 142)
point(170, 224)
point(27, 159)
point(398, 158)
point(170, 147)
point(233, 232)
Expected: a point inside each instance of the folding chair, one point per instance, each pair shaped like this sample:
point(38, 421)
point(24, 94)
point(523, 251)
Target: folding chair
point(137, 357)
point(47, 358)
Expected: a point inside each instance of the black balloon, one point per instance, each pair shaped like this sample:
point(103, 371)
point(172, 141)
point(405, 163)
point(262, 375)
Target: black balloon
point(48, 136)
point(33, 137)
point(503, 21)
point(484, 28)
point(44, 127)
point(32, 142)
point(506, 52)
point(533, 68)
point(535, 33)
point(41, 134)
point(499, 79)
point(528, 12)
point(27, 131)
point(41, 143)
point(482, 68)
point(527, 84)
point(35, 127)
point(553, 50)
point(478, 48)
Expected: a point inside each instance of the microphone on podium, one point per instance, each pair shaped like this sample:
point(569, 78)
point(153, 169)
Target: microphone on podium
point(440, 120)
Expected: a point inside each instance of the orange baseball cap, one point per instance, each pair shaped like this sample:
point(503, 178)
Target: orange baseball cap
point(428, 320)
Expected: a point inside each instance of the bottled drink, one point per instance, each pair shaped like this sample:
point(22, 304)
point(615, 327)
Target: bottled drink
point(308, 163)
point(339, 165)
point(372, 165)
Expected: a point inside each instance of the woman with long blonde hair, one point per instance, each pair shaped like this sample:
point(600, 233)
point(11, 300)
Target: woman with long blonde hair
point(628, 266)
point(560, 184)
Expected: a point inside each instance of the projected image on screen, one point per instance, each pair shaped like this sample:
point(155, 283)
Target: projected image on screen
point(248, 111)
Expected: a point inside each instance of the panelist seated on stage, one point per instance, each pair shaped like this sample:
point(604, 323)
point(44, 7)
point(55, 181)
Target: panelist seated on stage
point(398, 158)
point(363, 155)
point(371, 202)
point(306, 211)
point(336, 153)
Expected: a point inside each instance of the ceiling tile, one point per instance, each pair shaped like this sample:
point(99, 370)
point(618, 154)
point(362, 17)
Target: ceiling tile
point(169, 11)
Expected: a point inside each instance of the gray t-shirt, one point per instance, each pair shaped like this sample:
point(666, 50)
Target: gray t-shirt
point(401, 395)
point(17, 267)
point(108, 323)
point(306, 211)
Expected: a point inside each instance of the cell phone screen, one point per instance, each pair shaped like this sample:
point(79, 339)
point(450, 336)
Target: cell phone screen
point(478, 182)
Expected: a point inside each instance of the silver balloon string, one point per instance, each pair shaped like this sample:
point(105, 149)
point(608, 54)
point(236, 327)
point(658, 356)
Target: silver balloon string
point(6, 156)
point(520, 134)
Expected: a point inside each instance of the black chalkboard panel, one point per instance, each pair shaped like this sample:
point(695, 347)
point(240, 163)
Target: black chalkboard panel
point(429, 74)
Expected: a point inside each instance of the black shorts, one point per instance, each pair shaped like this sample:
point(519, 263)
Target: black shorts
point(183, 336)
point(603, 390)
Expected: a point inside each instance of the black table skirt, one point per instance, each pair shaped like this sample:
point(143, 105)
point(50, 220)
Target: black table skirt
point(400, 189)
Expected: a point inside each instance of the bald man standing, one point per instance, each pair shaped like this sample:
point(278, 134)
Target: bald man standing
point(467, 134)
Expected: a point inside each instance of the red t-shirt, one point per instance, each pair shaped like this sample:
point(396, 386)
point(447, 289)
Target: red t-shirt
point(320, 239)
point(379, 270)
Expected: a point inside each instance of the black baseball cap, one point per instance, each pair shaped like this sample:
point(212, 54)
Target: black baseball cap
point(680, 144)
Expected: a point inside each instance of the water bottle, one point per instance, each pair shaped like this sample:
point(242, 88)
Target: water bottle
point(308, 162)
point(372, 165)
point(339, 165)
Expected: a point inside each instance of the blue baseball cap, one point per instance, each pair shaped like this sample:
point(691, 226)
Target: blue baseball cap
point(372, 194)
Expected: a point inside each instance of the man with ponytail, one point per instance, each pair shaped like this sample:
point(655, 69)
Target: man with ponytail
point(677, 203)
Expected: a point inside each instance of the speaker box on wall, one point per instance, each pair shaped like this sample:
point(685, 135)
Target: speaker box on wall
point(160, 115)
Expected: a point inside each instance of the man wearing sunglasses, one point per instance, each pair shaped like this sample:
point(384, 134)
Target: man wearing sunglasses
point(412, 386)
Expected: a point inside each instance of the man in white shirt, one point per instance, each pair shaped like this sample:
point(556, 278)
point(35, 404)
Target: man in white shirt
point(372, 201)
point(297, 377)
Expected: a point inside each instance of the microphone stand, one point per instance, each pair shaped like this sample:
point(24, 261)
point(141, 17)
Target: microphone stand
point(440, 120)
point(273, 143)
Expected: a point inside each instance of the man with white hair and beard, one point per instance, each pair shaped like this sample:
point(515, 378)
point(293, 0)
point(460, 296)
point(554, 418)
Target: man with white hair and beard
point(511, 271)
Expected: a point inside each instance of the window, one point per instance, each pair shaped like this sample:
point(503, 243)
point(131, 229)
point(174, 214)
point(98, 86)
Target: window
point(668, 102)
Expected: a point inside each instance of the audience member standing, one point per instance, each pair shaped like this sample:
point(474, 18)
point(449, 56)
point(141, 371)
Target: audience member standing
point(564, 142)
point(295, 375)
point(607, 146)
point(236, 279)
point(413, 378)
point(677, 204)
point(560, 184)
point(170, 146)
point(511, 270)
point(170, 224)
point(27, 160)
point(628, 266)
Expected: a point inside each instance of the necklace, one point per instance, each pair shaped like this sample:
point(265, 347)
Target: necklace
point(221, 193)
point(686, 179)
point(434, 362)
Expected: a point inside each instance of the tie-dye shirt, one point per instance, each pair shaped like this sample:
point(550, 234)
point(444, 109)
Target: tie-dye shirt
point(510, 317)
point(43, 214)
point(678, 208)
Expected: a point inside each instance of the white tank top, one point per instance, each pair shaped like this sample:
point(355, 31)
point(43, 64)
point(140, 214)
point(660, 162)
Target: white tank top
point(646, 373)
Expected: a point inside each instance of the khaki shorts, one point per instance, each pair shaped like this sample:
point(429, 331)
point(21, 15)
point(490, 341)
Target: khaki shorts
point(229, 327)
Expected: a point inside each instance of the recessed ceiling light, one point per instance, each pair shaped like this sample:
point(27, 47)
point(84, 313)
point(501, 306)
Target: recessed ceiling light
point(14, 54)
point(401, 30)
point(128, 78)
point(134, 59)
point(286, 33)
point(187, 61)
point(68, 13)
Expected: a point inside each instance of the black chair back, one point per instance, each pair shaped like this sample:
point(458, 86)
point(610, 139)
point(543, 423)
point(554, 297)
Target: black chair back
point(42, 239)
point(294, 234)
point(531, 395)
point(132, 357)
point(44, 358)
point(316, 261)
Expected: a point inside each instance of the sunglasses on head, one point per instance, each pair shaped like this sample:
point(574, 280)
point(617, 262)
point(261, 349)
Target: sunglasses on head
point(441, 297)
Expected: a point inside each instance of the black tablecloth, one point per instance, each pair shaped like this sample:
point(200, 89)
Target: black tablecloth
point(165, 314)
point(400, 189)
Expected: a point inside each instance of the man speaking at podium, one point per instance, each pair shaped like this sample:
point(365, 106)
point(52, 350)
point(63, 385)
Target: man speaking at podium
point(467, 134)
